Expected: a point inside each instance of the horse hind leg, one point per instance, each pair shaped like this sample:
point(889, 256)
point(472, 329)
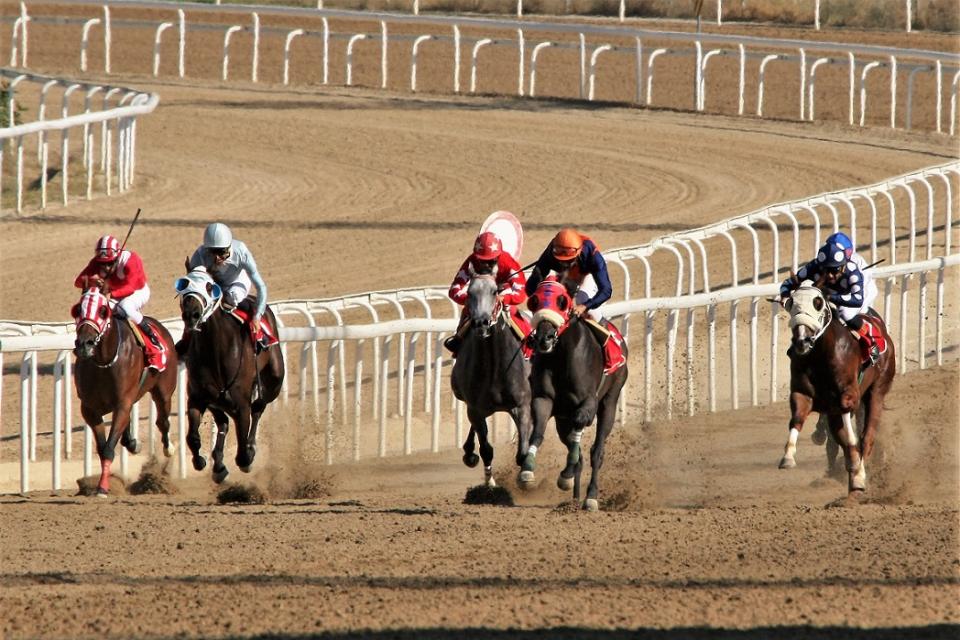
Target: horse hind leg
point(569, 477)
point(220, 471)
point(605, 421)
point(846, 434)
point(107, 446)
point(246, 449)
point(162, 403)
point(478, 424)
point(470, 458)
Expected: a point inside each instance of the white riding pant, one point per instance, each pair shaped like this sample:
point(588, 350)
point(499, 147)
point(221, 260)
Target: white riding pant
point(131, 305)
point(237, 291)
point(588, 289)
point(869, 295)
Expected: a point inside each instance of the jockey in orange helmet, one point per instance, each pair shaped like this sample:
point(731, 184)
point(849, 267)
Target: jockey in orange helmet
point(121, 273)
point(580, 259)
point(488, 257)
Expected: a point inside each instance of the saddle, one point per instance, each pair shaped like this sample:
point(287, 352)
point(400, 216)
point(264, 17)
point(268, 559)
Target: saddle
point(266, 337)
point(154, 356)
point(612, 342)
point(870, 337)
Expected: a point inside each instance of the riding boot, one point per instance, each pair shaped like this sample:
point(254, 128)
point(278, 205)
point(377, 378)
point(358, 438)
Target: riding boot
point(155, 359)
point(454, 342)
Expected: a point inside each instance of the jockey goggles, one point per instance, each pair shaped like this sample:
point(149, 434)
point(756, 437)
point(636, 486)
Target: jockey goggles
point(220, 252)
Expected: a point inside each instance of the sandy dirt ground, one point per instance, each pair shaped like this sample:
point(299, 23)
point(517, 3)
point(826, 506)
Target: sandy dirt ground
point(341, 190)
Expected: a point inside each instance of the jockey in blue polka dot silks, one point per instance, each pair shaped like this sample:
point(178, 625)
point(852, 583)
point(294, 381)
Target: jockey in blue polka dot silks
point(847, 284)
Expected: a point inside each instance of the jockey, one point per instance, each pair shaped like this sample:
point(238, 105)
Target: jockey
point(231, 265)
point(850, 288)
point(124, 278)
point(488, 257)
point(578, 258)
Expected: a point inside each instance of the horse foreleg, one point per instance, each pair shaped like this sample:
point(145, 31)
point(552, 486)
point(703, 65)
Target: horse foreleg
point(570, 436)
point(478, 424)
point(800, 407)
point(194, 416)
point(162, 403)
point(542, 407)
point(107, 445)
point(846, 435)
point(873, 408)
point(246, 449)
point(522, 417)
point(220, 471)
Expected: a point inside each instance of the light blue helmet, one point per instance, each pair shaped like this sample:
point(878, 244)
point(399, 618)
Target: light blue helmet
point(217, 236)
point(836, 251)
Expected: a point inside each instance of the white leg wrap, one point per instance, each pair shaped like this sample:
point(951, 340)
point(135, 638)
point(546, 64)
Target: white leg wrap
point(849, 435)
point(532, 449)
point(794, 436)
point(575, 436)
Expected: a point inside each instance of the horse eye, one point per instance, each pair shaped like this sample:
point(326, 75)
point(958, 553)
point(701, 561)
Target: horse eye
point(818, 303)
point(789, 304)
point(533, 303)
point(562, 303)
point(102, 312)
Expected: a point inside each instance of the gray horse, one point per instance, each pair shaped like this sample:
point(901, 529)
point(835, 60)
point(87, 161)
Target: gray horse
point(490, 374)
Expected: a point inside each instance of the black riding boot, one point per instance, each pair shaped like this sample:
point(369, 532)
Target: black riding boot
point(150, 334)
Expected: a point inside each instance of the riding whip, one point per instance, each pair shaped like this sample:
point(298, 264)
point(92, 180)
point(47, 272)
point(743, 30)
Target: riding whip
point(873, 264)
point(113, 266)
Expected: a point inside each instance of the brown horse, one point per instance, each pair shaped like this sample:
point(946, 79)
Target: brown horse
point(826, 376)
point(110, 376)
point(568, 382)
point(225, 373)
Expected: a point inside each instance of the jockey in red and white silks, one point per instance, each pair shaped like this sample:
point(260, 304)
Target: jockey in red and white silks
point(126, 280)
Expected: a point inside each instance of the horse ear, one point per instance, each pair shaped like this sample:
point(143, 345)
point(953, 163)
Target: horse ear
point(75, 311)
point(470, 269)
point(181, 285)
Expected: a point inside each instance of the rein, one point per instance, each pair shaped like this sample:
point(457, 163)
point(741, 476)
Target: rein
point(96, 343)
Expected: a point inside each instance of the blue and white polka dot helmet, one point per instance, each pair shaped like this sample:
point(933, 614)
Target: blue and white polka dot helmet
point(836, 251)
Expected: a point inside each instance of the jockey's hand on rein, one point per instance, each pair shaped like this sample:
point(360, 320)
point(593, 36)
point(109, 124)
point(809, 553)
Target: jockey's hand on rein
point(579, 310)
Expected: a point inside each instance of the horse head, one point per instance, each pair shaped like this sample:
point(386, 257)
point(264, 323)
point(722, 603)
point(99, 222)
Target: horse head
point(199, 297)
point(483, 304)
point(92, 316)
point(551, 304)
point(810, 314)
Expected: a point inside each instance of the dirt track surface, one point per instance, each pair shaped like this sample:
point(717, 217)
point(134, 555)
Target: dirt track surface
point(701, 531)
point(339, 191)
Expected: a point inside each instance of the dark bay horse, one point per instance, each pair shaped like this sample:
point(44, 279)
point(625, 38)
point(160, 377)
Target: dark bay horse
point(110, 376)
point(826, 376)
point(490, 374)
point(225, 373)
point(569, 384)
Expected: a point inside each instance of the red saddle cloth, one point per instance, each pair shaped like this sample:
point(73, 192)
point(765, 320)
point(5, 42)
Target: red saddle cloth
point(613, 357)
point(267, 336)
point(153, 357)
point(870, 335)
point(521, 327)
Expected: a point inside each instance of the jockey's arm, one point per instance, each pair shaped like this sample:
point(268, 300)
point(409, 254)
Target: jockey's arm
point(851, 289)
point(83, 280)
point(134, 278)
point(196, 260)
point(250, 265)
point(540, 270)
point(806, 271)
point(513, 288)
point(458, 288)
point(598, 269)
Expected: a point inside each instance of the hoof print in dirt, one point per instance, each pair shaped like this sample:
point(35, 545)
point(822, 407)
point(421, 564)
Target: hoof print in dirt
point(482, 494)
point(87, 486)
point(241, 494)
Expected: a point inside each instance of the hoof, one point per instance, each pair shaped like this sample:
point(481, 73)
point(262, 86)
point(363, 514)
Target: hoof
point(564, 483)
point(102, 493)
point(526, 478)
point(591, 504)
point(133, 447)
point(857, 485)
point(471, 459)
point(169, 451)
point(818, 437)
point(220, 476)
point(491, 483)
point(529, 463)
point(787, 463)
point(245, 469)
point(199, 463)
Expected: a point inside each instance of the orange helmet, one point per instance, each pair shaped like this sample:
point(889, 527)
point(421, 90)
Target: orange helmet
point(567, 244)
point(487, 246)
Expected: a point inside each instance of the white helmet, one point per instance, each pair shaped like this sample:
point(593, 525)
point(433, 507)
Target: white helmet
point(217, 236)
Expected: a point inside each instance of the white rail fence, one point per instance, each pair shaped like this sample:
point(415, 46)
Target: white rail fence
point(389, 343)
point(940, 71)
point(116, 123)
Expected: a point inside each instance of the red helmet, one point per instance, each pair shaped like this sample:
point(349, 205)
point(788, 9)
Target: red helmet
point(107, 249)
point(487, 246)
point(567, 244)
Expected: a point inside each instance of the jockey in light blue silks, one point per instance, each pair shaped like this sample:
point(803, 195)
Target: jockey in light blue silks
point(232, 266)
point(849, 286)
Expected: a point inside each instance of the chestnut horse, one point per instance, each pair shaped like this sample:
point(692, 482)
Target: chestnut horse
point(110, 376)
point(826, 376)
point(225, 373)
point(489, 374)
point(569, 384)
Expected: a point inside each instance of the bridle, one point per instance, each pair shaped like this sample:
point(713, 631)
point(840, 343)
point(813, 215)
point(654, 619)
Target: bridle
point(100, 331)
point(816, 319)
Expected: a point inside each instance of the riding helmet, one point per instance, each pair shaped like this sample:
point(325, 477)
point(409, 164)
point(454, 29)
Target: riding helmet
point(217, 236)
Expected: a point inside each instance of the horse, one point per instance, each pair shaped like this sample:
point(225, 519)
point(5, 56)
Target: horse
point(110, 375)
point(489, 374)
point(568, 383)
point(826, 376)
point(225, 373)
